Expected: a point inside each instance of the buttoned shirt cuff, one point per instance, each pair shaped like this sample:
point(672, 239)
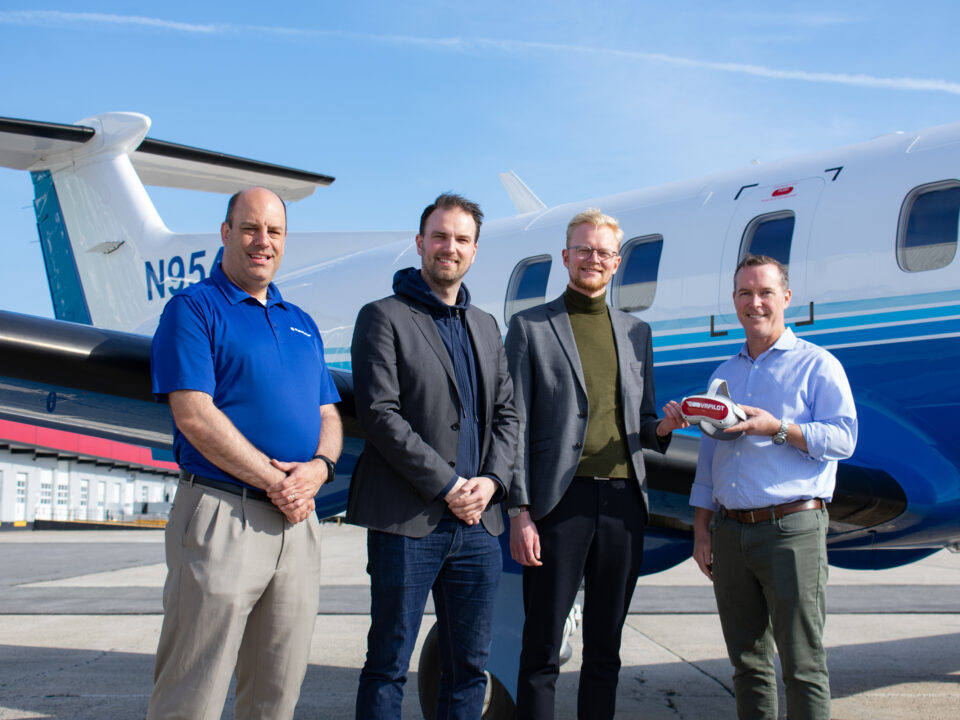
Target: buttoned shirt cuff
point(501, 492)
point(449, 486)
point(701, 496)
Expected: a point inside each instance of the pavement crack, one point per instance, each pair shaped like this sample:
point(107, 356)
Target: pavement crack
point(99, 655)
point(684, 660)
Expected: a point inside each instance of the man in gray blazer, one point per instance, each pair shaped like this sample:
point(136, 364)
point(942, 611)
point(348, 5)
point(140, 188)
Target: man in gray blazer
point(435, 400)
point(583, 378)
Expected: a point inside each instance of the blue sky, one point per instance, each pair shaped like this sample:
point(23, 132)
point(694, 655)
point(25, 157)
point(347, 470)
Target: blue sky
point(400, 101)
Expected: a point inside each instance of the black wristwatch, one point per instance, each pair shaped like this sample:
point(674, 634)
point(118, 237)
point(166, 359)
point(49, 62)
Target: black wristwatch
point(331, 467)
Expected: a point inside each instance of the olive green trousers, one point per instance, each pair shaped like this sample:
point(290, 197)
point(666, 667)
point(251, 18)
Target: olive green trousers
point(770, 581)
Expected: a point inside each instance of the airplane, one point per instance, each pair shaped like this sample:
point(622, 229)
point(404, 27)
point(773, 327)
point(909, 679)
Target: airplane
point(869, 233)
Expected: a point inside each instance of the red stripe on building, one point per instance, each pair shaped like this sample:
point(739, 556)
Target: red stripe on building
point(80, 444)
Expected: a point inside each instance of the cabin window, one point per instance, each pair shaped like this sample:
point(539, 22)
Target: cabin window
point(769, 235)
point(927, 235)
point(528, 285)
point(635, 284)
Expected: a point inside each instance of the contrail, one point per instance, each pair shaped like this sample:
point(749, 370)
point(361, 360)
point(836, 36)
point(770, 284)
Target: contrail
point(48, 18)
point(45, 18)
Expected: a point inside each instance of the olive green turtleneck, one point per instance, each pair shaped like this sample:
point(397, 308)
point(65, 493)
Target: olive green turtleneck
point(605, 451)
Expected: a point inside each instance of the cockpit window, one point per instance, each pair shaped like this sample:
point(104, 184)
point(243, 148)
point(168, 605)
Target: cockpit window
point(927, 235)
point(528, 285)
point(770, 235)
point(635, 284)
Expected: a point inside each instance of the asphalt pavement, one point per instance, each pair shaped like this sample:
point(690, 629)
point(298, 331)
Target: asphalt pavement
point(80, 614)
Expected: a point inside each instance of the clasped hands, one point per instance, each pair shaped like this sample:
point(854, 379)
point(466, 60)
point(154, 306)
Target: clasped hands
point(293, 494)
point(469, 498)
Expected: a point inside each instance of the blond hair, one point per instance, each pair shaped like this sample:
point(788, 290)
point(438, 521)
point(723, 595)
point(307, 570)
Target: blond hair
point(595, 217)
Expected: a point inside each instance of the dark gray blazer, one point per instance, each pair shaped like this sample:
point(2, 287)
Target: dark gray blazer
point(551, 398)
point(409, 407)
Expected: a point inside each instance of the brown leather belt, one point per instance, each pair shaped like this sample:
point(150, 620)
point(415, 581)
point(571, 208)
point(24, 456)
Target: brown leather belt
point(776, 511)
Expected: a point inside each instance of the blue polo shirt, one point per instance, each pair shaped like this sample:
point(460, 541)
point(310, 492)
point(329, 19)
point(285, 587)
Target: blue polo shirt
point(262, 365)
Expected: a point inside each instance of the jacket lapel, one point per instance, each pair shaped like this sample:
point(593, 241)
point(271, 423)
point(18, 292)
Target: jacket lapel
point(425, 324)
point(560, 322)
point(484, 368)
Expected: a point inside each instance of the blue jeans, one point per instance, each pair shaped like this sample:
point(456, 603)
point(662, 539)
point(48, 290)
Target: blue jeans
point(461, 564)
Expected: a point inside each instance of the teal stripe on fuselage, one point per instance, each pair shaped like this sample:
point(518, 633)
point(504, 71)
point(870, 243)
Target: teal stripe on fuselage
point(846, 323)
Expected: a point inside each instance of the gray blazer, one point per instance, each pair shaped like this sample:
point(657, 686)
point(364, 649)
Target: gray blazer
point(408, 406)
point(551, 398)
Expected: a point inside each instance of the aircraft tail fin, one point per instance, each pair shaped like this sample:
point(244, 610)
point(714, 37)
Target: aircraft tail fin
point(104, 244)
point(524, 199)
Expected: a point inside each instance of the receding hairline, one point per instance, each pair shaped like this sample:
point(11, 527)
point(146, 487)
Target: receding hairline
point(232, 204)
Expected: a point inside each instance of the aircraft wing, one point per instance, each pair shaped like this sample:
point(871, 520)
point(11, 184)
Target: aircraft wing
point(79, 378)
point(83, 379)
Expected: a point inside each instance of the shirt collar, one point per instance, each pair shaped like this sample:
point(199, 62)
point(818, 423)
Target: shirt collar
point(235, 294)
point(786, 341)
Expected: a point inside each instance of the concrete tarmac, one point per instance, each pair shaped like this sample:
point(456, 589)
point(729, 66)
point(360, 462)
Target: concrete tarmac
point(80, 617)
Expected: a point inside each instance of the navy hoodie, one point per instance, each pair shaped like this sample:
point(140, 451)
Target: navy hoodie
point(451, 323)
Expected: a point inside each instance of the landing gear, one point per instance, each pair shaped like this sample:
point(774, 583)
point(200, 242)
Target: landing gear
point(497, 704)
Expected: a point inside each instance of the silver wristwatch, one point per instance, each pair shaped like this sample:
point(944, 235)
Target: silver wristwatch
point(515, 511)
point(781, 437)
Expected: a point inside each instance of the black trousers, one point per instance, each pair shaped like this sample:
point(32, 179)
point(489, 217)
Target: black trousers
point(595, 533)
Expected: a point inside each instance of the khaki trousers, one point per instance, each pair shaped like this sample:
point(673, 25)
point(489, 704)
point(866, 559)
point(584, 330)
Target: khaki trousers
point(242, 592)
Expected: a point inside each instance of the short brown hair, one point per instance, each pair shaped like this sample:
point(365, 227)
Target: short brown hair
point(756, 260)
point(450, 201)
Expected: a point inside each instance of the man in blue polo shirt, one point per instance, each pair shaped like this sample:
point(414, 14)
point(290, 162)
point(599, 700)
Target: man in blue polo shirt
point(256, 435)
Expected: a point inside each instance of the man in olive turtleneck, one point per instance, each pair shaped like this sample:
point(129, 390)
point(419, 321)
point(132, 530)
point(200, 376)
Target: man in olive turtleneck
point(583, 383)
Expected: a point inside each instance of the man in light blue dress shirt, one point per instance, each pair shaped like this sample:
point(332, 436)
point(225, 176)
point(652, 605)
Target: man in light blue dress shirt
point(760, 520)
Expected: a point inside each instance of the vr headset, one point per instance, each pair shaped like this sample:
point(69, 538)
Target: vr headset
point(714, 411)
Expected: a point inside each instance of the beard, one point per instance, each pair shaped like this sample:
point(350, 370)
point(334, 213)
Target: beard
point(590, 284)
point(444, 275)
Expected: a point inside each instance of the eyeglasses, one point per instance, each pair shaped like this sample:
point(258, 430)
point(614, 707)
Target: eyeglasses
point(584, 252)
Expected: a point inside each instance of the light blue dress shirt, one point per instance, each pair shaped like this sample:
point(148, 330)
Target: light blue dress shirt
point(805, 385)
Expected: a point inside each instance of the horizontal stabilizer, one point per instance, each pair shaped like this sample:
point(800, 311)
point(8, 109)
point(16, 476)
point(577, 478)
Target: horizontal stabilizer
point(170, 165)
point(26, 144)
point(524, 199)
point(32, 145)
